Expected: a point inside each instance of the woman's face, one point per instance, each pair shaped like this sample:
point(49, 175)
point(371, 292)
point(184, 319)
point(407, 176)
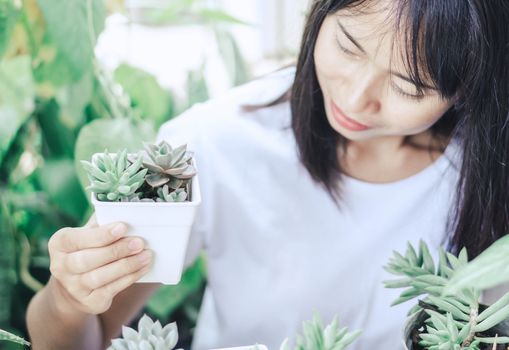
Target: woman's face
point(365, 93)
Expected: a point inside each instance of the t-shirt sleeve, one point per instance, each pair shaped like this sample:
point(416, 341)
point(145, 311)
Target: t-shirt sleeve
point(186, 129)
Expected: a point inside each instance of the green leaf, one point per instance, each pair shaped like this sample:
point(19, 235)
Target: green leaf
point(234, 62)
point(52, 69)
point(196, 86)
point(113, 134)
point(401, 283)
point(17, 93)
point(8, 273)
point(59, 180)
point(146, 94)
point(494, 319)
point(431, 280)
point(185, 12)
point(9, 15)
point(215, 16)
point(68, 28)
point(489, 269)
point(444, 305)
point(168, 298)
point(73, 98)
point(11, 170)
point(175, 12)
point(411, 255)
point(494, 340)
point(500, 303)
point(427, 259)
point(57, 137)
point(4, 335)
point(465, 331)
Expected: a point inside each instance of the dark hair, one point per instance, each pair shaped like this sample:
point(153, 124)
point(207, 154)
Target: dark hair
point(462, 47)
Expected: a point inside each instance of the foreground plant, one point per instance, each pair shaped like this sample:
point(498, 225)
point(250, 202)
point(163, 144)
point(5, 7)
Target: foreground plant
point(488, 270)
point(316, 337)
point(441, 321)
point(150, 336)
point(4, 335)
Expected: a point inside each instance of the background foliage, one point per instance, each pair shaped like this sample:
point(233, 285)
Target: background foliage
point(57, 106)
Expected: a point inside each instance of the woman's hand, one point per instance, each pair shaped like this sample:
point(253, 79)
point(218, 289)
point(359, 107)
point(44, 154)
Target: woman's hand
point(94, 263)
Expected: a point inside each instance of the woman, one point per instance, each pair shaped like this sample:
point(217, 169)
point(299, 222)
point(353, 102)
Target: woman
point(392, 128)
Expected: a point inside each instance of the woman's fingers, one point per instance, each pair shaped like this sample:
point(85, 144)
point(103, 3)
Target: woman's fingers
point(107, 274)
point(99, 300)
point(74, 239)
point(90, 259)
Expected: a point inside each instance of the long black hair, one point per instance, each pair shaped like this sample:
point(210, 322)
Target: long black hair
point(462, 46)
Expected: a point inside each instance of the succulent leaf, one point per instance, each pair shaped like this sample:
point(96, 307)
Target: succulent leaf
point(112, 177)
point(167, 162)
point(179, 195)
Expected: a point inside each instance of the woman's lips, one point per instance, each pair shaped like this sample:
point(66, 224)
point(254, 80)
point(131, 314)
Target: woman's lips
point(346, 122)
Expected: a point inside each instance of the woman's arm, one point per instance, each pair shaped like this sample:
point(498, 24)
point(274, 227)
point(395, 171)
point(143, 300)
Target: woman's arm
point(53, 323)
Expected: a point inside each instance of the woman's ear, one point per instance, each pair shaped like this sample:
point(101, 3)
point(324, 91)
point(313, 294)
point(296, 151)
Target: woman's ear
point(453, 101)
point(456, 97)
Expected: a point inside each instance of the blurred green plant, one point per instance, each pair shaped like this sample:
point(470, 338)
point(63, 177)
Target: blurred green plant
point(207, 14)
point(12, 338)
point(58, 106)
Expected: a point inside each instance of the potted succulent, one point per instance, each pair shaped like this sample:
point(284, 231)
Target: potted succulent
point(156, 193)
point(152, 336)
point(442, 320)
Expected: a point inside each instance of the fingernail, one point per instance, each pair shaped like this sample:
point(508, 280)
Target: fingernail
point(118, 230)
point(135, 244)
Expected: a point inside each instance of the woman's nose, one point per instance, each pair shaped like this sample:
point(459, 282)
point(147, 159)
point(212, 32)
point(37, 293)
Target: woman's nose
point(362, 95)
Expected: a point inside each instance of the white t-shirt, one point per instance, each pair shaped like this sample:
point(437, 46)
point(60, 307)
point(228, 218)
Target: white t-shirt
point(277, 246)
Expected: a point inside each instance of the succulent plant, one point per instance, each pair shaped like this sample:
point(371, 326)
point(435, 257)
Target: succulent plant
point(167, 165)
point(179, 195)
point(113, 177)
point(441, 320)
point(150, 336)
point(315, 337)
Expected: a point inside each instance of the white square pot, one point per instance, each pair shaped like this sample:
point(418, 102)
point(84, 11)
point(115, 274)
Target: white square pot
point(165, 227)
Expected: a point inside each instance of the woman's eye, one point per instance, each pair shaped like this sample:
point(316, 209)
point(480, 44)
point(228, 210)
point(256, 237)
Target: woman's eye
point(417, 96)
point(345, 50)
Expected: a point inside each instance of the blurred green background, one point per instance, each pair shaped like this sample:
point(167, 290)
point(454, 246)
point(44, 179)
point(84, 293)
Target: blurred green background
point(57, 106)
